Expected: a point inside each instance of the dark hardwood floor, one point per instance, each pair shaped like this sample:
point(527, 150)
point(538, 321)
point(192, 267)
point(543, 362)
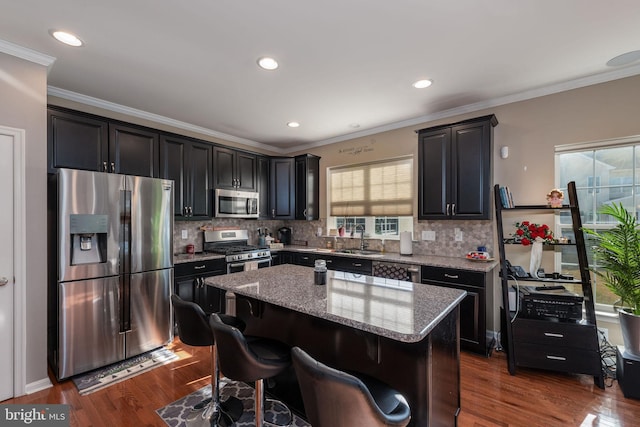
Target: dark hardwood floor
point(490, 396)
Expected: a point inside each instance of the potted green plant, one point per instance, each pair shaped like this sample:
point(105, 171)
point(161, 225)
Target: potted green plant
point(618, 254)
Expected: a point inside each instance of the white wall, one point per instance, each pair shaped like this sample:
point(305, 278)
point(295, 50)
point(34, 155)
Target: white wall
point(23, 89)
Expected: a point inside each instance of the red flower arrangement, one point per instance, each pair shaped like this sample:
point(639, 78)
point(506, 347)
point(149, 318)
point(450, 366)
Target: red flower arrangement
point(527, 233)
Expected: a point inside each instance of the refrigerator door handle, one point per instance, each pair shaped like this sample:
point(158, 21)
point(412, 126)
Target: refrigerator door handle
point(125, 245)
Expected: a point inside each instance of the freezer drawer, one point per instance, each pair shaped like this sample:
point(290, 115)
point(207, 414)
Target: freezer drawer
point(151, 321)
point(88, 325)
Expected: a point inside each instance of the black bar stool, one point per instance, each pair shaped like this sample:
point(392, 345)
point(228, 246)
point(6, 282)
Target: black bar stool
point(251, 359)
point(194, 330)
point(334, 398)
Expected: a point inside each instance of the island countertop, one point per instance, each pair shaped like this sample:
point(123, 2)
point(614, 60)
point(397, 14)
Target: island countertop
point(390, 308)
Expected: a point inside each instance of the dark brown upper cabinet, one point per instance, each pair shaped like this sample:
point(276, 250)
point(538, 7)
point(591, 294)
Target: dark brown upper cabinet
point(455, 170)
point(307, 187)
point(82, 141)
point(235, 170)
point(188, 164)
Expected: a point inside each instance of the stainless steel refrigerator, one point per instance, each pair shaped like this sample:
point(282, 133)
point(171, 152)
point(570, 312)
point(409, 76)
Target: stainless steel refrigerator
point(114, 245)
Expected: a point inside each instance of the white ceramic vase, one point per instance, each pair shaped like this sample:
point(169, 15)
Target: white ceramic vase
point(536, 257)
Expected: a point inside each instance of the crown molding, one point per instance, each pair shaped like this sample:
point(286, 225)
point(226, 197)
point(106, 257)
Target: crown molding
point(26, 53)
point(469, 108)
point(508, 99)
point(134, 112)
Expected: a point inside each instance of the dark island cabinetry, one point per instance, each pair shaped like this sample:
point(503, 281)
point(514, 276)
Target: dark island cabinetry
point(188, 163)
point(455, 170)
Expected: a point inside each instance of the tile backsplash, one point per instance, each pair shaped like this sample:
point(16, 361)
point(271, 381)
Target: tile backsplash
point(474, 234)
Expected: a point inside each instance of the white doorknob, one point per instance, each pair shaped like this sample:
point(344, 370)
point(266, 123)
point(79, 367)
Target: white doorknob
point(3, 281)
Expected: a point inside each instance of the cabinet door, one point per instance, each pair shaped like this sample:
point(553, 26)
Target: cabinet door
point(245, 171)
point(188, 164)
point(471, 171)
point(223, 168)
point(262, 186)
point(186, 289)
point(76, 142)
point(282, 188)
point(307, 187)
point(199, 172)
point(133, 151)
point(434, 152)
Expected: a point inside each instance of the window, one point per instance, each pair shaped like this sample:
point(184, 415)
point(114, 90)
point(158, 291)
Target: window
point(603, 174)
point(378, 196)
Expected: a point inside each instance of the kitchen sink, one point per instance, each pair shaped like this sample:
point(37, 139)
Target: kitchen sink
point(358, 252)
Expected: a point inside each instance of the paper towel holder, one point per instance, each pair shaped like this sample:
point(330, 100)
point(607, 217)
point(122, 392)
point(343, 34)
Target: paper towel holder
point(406, 243)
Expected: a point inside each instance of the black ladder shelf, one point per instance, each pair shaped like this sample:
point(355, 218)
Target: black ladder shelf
point(571, 347)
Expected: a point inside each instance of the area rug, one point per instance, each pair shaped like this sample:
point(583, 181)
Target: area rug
point(112, 374)
point(175, 414)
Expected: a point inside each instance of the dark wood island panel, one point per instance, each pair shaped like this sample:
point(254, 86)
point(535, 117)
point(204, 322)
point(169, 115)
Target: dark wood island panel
point(403, 333)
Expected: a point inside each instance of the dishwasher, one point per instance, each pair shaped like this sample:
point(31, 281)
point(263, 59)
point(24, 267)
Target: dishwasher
point(396, 270)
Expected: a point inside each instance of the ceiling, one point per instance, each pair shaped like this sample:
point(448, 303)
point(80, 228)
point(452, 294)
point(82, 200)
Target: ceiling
point(346, 66)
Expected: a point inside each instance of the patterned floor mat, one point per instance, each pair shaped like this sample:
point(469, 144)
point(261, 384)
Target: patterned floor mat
point(112, 374)
point(175, 414)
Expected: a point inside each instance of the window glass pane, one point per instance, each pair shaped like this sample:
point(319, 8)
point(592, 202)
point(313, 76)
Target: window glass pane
point(603, 176)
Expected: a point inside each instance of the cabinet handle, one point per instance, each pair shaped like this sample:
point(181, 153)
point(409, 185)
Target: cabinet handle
point(113, 167)
point(304, 213)
point(553, 335)
point(356, 264)
point(104, 167)
point(273, 213)
point(190, 211)
point(556, 357)
point(451, 276)
point(329, 261)
point(199, 267)
point(453, 209)
point(448, 209)
point(305, 258)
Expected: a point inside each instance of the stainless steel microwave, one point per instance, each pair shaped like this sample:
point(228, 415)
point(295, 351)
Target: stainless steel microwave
point(236, 204)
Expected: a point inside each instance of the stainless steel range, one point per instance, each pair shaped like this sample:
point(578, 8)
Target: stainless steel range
point(239, 255)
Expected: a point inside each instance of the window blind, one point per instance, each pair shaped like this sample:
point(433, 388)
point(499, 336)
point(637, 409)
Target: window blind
point(382, 188)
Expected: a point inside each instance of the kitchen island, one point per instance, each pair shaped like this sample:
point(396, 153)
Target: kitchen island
point(405, 334)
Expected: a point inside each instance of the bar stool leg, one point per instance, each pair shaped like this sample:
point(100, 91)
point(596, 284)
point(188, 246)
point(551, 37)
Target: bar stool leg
point(259, 399)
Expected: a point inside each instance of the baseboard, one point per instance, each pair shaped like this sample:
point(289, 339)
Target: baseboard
point(35, 386)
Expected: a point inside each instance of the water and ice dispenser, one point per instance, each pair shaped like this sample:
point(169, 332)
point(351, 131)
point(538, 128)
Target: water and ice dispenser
point(88, 238)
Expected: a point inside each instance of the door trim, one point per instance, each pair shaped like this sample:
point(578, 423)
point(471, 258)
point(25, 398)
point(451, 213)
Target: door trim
point(19, 239)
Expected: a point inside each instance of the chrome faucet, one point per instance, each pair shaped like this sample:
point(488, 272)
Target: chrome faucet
point(362, 244)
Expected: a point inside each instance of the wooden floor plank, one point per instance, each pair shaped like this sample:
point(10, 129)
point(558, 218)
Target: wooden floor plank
point(490, 397)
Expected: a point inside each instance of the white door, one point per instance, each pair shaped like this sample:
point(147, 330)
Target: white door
point(7, 143)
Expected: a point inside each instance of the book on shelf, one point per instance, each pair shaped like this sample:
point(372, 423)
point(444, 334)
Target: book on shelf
point(506, 197)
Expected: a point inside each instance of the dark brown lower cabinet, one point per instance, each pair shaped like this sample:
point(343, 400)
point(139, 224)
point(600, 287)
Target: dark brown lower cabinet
point(190, 286)
point(473, 312)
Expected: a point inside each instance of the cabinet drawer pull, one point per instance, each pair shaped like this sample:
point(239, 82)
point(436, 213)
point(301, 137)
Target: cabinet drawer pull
point(305, 257)
point(448, 209)
point(356, 264)
point(329, 261)
point(199, 267)
point(553, 335)
point(556, 358)
point(453, 209)
point(451, 276)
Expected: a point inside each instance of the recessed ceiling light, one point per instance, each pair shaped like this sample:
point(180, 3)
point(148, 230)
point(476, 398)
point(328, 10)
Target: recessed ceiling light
point(421, 84)
point(624, 59)
point(66, 38)
point(293, 124)
point(268, 63)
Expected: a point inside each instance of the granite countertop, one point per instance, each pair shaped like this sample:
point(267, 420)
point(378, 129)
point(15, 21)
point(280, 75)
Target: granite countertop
point(428, 260)
point(394, 309)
